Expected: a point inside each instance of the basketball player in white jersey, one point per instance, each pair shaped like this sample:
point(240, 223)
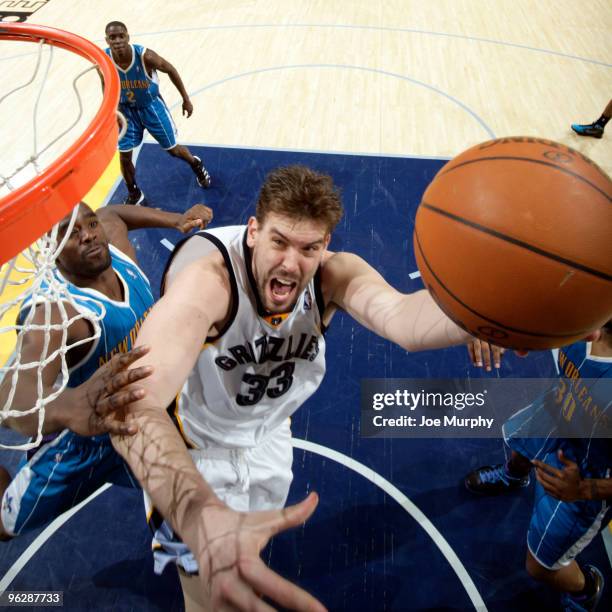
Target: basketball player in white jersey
point(238, 338)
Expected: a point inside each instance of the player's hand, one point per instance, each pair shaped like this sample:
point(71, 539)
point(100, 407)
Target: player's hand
point(231, 571)
point(198, 216)
point(187, 108)
point(483, 354)
point(564, 484)
point(100, 402)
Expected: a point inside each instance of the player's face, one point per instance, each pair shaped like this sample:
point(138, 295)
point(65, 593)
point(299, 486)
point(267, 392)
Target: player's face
point(286, 255)
point(117, 39)
point(86, 253)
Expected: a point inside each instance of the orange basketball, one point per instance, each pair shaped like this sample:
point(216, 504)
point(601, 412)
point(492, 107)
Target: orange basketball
point(513, 239)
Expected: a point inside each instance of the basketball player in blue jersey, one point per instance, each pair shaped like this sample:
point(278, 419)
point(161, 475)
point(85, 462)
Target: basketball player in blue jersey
point(144, 108)
point(98, 266)
point(574, 484)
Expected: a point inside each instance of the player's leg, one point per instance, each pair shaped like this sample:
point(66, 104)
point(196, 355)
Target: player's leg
point(192, 592)
point(131, 139)
point(270, 473)
point(128, 171)
point(198, 168)
point(49, 483)
point(558, 532)
point(160, 125)
point(227, 474)
point(5, 481)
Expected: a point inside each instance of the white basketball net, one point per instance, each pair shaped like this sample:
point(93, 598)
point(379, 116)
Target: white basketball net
point(31, 277)
point(44, 288)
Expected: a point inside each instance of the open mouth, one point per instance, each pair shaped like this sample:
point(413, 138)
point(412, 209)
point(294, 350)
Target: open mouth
point(281, 289)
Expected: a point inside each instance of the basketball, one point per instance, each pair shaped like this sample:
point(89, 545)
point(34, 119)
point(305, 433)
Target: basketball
point(513, 239)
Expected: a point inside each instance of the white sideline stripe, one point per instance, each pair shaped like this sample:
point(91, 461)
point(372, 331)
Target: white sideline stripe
point(414, 275)
point(410, 508)
point(42, 538)
point(167, 244)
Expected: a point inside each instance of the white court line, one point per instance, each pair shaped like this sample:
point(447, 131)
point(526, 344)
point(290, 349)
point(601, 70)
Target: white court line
point(391, 490)
point(410, 508)
point(42, 538)
point(167, 244)
point(361, 469)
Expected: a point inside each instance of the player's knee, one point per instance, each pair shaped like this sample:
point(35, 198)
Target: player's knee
point(535, 569)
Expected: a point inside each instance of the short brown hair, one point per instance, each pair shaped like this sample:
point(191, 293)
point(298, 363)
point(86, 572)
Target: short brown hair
point(299, 192)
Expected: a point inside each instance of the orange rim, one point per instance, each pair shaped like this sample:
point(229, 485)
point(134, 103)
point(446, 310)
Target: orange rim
point(32, 209)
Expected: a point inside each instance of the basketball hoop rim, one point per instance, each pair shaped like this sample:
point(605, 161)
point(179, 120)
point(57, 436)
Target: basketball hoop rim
point(32, 209)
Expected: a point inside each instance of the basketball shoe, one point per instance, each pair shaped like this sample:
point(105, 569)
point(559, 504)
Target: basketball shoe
point(201, 173)
point(591, 129)
point(573, 603)
point(494, 480)
point(135, 198)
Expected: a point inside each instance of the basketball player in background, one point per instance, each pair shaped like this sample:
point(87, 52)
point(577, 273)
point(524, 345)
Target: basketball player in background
point(595, 129)
point(238, 336)
point(574, 484)
point(144, 108)
point(97, 264)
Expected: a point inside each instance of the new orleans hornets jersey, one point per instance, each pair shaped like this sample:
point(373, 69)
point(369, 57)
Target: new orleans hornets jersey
point(259, 369)
point(137, 87)
point(120, 321)
point(576, 412)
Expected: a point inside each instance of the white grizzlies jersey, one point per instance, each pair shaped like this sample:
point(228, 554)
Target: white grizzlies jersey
point(260, 369)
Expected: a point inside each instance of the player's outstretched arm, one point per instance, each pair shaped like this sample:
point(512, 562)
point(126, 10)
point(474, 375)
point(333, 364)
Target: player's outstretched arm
point(414, 321)
point(225, 543)
point(87, 409)
point(119, 219)
point(153, 61)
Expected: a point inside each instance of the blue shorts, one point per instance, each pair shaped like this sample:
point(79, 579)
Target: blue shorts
point(59, 475)
point(558, 530)
point(155, 118)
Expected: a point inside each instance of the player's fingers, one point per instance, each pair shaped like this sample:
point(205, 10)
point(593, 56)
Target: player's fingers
point(545, 484)
point(124, 360)
point(119, 400)
point(277, 588)
point(497, 354)
point(237, 595)
point(564, 459)
point(470, 350)
point(127, 377)
point(477, 353)
point(548, 469)
point(545, 477)
point(122, 428)
point(292, 516)
point(486, 355)
point(191, 224)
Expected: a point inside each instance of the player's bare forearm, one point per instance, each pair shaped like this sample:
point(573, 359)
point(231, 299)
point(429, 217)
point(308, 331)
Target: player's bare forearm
point(175, 77)
point(25, 398)
point(414, 321)
point(138, 217)
point(175, 330)
point(159, 459)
